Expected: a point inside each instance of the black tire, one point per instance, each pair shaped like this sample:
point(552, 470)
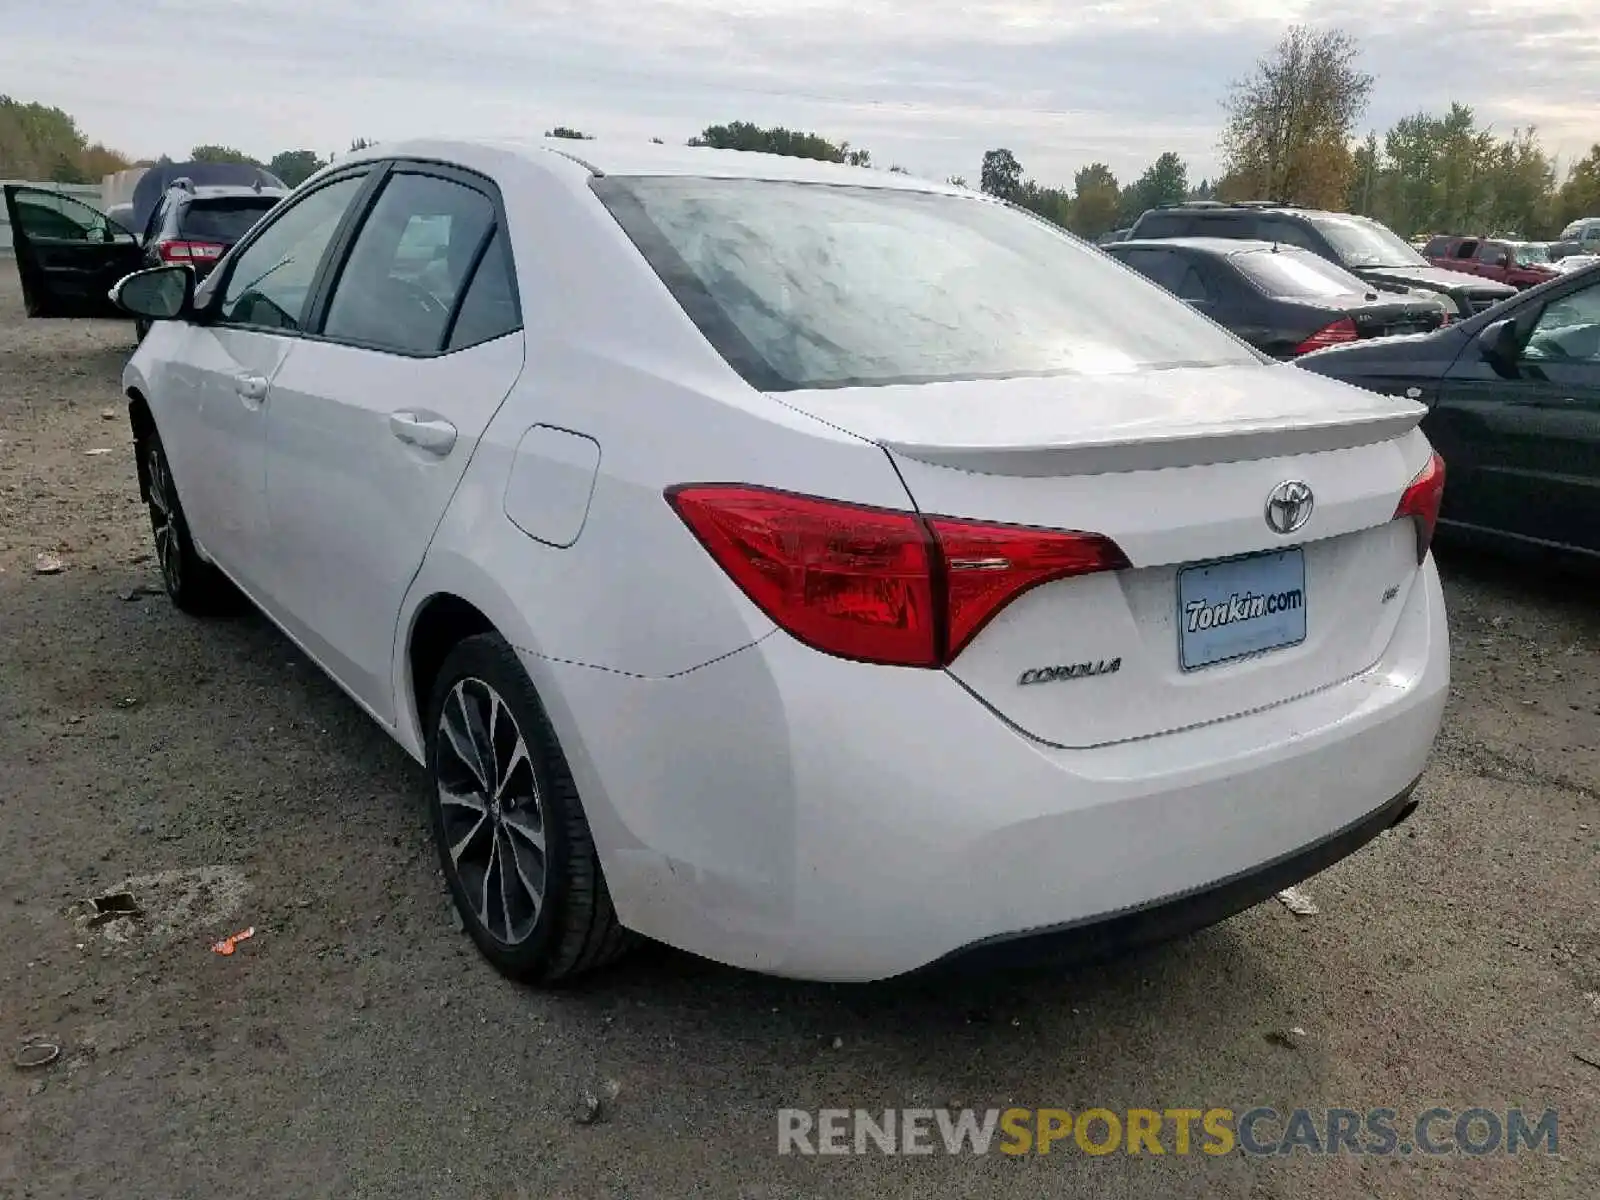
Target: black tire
point(194, 585)
point(572, 928)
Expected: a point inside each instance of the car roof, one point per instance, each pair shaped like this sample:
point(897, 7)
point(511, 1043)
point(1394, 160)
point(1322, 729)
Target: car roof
point(231, 192)
point(1222, 247)
point(1248, 206)
point(599, 156)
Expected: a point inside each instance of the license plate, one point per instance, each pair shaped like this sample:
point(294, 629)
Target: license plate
point(1241, 606)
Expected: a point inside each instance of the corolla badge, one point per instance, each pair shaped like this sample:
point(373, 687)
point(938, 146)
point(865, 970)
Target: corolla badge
point(1082, 670)
point(1289, 506)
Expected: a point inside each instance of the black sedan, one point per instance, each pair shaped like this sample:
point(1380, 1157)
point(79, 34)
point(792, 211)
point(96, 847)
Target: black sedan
point(1513, 400)
point(1283, 300)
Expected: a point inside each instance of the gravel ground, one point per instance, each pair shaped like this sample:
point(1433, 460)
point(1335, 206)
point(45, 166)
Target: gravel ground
point(357, 1046)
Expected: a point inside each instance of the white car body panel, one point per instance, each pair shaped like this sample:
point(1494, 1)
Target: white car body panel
point(757, 801)
point(214, 436)
point(950, 839)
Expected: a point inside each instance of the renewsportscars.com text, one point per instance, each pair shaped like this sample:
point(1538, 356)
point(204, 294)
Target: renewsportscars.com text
point(1176, 1131)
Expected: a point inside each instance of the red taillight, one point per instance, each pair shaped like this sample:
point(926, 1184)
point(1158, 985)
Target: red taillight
point(1421, 503)
point(988, 566)
point(184, 252)
point(873, 584)
point(1342, 330)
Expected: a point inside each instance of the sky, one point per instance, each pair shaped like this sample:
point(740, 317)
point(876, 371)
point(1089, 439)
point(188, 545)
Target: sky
point(926, 84)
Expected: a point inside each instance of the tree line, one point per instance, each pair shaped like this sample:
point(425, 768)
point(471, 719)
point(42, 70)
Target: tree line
point(1290, 135)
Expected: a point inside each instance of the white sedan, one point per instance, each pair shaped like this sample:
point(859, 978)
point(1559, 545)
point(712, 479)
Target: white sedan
point(822, 571)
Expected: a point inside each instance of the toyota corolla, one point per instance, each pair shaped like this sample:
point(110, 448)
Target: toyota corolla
point(823, 571)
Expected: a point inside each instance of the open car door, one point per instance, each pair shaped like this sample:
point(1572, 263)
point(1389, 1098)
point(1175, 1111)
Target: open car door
point(68, 254)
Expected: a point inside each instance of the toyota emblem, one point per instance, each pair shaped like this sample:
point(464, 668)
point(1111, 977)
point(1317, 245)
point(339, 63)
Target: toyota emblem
point(1289, 506)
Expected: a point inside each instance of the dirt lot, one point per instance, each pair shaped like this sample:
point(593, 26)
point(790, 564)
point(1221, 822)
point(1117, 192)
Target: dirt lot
point(357, 1046)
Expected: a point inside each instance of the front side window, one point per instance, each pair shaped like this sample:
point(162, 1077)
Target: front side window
point(1491, 253)
point(55, 217)
point(1291, 274)
point(1568, 330)
point(803, 285)
point(409, 264)
point(271, 280)
point(1360, 242)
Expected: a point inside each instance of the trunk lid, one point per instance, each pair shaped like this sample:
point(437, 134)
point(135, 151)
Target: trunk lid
point(1177, 467)
point(1472, 293)
point(1391, 315)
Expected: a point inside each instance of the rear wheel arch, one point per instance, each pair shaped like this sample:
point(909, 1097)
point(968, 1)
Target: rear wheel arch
point(441, 623)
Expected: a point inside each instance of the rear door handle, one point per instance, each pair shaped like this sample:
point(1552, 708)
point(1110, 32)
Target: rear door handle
point(251, 387)
point(436, 437)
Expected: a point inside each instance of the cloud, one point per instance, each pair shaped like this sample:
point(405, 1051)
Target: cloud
point(930, 85)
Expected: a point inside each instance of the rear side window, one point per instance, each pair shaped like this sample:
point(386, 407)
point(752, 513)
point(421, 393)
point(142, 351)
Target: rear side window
point(803, 285)
point(1162, 225)
point(409, 264)
point(1288, 233)
point(224, 221)
point(1192, 285)
point(1292, 274)
point(489, 309)
point(1158, 266)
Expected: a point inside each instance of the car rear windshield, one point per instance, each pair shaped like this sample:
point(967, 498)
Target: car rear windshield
point(1291, 274)
point(224, 220)
point(1360, 242)
point(805, 285)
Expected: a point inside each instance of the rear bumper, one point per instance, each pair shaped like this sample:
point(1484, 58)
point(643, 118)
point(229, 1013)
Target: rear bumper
point(801, 815)
point(1117, 933)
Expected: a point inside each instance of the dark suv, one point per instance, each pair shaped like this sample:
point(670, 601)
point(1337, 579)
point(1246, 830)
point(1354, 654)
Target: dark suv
point(195, 226)
point(1360, 245)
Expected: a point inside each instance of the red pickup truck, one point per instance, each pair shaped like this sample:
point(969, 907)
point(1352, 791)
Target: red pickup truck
point(1521, 264)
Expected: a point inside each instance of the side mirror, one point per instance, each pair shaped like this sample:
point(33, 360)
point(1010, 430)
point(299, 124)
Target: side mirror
point(159, 294)
point(1501, 347)
point(1503, 261)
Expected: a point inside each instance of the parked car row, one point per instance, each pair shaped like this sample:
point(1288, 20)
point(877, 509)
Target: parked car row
point(1283, 300)
point(1513, 399)
point(1360, 245)
point(1511, 378)
point(1520, 264)
point(70, 254)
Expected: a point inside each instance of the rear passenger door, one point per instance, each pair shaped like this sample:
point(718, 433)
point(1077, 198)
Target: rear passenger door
point(415, 342)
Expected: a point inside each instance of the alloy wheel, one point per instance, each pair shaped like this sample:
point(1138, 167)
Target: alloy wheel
point(491, 812)
point(164, 520)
